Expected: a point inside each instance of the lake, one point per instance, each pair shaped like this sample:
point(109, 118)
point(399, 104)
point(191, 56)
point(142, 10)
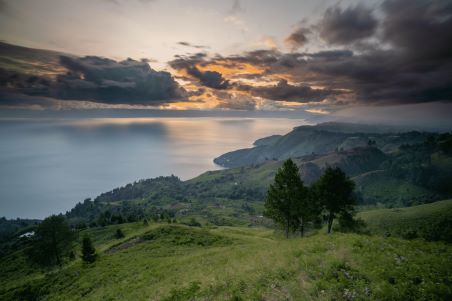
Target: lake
point(48, 165)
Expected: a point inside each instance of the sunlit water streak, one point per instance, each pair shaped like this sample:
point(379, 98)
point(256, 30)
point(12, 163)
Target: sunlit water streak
point(49, 165)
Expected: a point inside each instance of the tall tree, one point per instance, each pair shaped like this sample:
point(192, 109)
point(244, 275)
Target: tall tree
point(88, 251)
point(52, 241)
point(308, 209)
point(285, 197)
point(334, 190)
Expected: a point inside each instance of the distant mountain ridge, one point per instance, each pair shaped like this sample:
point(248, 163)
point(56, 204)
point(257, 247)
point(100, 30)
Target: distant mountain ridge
point(319, 139)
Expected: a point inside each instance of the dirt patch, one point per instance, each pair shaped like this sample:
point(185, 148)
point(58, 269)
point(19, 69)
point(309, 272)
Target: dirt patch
point(125, 245)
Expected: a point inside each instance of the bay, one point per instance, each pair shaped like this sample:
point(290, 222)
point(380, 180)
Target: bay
point(48, 165)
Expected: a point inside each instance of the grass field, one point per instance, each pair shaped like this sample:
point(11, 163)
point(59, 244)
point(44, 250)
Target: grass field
point(430, 221)
point(175, 262)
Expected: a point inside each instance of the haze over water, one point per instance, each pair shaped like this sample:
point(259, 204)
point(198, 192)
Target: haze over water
point(47, 166)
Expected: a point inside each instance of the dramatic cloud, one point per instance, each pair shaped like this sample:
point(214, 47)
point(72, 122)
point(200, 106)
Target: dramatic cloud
point(341, 27)
point(411, 61)
point(422, 28)
point(211, 79)
point(89, 78)
point(286, 92)
point(108, 81)
point(235, 102)
point(298, 38)
point(395, 53)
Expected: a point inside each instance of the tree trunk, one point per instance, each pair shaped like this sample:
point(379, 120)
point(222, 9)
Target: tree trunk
point(302, 228)
point(55, 248)
point(287, 228)
point(330, 222)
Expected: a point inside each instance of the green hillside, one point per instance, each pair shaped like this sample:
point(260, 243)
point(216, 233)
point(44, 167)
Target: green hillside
point(320, 139)
point(379, 187)
point(429, 221)
point(174, 262)
point(413, 175)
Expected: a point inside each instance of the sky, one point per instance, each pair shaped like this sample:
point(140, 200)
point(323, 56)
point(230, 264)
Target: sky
point(343, 58)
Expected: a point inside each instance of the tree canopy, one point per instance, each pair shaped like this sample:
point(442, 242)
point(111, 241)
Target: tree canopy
point(52, 241)
point(286, 197)
point(334, 190)
point(292, 205)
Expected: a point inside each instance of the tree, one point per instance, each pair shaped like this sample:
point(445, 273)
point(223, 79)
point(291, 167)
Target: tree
point(308, 209)
point(286, 198)
point(88, 251)
point(334, 190)
point(52, 241)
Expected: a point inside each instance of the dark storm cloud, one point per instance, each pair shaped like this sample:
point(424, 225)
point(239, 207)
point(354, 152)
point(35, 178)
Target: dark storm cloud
point(89, 78)
point(298, 38)
point(342, 27)
point(418, 68)
point(414, 66)
point(283, 91)
point(104, 80)
point(403, 56)
point(262, 56)
point(421, 28)
point(211, 79)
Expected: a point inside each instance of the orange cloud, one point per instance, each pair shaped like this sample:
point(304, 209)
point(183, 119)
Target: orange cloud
point(230, 69)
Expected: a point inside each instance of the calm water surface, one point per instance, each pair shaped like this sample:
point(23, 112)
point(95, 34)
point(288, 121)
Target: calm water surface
point(46, 166)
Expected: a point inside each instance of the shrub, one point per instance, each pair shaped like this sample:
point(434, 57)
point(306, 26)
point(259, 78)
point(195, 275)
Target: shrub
point(88, 252)
point(119, 233)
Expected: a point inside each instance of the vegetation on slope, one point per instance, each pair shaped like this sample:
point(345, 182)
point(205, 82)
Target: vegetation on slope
point(413, 175)
point(319, 139)
point(379, 187)
point(183, 263)
point(429, 221)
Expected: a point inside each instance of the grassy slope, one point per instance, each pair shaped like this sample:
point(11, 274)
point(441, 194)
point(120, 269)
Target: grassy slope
point(379, 187)
point(232, 263)
point(431, 221)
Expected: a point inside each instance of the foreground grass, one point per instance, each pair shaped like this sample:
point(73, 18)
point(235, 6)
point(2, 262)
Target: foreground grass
point(173, 262)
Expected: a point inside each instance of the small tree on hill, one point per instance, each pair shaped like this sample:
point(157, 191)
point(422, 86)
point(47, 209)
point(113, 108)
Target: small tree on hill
point(119, 233)
point(334, 190)
point(285, 203)
point(52, 241)
point(88, 251)
point(308, 209)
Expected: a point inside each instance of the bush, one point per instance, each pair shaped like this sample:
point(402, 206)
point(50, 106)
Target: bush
point(119, 234)
point(88, 252)
point(193, 223)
